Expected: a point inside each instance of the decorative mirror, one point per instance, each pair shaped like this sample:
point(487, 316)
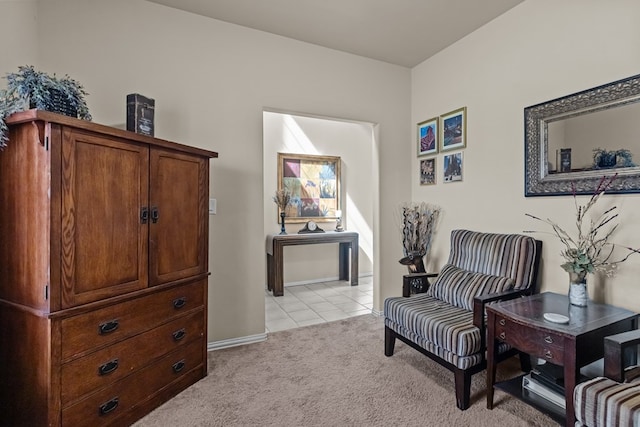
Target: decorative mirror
point(573, 141)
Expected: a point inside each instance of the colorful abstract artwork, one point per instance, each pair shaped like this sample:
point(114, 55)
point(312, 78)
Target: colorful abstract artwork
point(314, 185)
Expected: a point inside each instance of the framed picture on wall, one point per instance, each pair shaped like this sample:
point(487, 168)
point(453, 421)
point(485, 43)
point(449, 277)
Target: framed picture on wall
point(453, 167)
point(453, 134)
point(314, 184)
point(428, 137)
point(428, 171)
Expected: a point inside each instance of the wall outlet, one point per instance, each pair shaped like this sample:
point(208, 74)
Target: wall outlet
point(213, 206)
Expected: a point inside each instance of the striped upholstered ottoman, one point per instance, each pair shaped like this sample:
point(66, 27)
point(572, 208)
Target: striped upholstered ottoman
point(603, 402)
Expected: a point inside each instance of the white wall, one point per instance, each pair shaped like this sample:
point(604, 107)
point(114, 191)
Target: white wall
point(353, 143)
point(211, 81)
point(19, 32)
point(538, 51)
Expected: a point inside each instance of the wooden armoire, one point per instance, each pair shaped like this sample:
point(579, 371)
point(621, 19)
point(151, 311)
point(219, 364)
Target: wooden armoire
point(103, 271)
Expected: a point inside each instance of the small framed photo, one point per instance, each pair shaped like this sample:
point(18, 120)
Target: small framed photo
point(454, 129)
point(428, 137)
point(453, 167)
point(428, 171)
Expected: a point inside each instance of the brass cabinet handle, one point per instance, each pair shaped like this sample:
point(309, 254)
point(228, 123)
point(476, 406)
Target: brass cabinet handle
point(502, 335)
point(548, 339)
point(548, 354)
point(502, 322)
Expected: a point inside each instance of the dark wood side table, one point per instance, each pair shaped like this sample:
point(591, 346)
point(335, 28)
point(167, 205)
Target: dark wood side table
point(520, 323)
point(348, 240)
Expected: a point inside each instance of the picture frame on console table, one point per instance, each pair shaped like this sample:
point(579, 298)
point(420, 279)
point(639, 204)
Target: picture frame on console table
point(453, 132)
point(428, 137)
point(314, 184)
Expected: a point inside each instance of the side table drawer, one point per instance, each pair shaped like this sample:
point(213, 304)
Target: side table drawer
point(542, 344)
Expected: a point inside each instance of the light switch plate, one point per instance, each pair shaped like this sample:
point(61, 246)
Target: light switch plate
point(213, 206)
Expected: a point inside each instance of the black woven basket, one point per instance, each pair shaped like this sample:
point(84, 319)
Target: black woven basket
point(58, 103)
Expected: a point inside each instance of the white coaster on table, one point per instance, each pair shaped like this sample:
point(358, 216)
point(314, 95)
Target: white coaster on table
point(555, 318)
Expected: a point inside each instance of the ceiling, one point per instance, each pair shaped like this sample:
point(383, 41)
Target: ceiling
point(402, 32)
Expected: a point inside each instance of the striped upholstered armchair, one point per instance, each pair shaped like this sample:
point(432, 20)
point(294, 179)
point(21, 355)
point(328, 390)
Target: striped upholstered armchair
point(447, 323)
point(614, 399)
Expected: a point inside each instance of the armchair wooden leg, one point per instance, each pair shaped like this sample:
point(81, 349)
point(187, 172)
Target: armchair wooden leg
point(463, 388)
point(525, 362)
point(389, 341)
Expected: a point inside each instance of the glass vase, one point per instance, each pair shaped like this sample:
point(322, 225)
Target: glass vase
point(282, 229)
point(578, 294)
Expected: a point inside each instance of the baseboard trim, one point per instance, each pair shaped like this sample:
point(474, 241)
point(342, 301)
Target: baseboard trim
point(377, 312)
point(234, 342)
point(322, 280)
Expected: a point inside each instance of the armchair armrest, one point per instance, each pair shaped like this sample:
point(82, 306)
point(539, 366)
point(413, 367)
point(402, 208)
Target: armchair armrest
point(481, 301)
point(614, 353)
point(416, 281)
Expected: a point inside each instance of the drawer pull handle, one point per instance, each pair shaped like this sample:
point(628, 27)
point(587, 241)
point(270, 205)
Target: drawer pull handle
point(179, 366)
point(548, 340)
point(144, 215)
point(502, 322)
point(108, 327)
point(548, 354)
point(155, 214)
point(109, 406)
point(179, 334)
point(108, 367)
point(179, 302)
point(502, 335)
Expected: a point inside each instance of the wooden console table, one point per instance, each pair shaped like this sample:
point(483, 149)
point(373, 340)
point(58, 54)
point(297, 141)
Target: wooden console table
point(275, 259)
point(520, 323)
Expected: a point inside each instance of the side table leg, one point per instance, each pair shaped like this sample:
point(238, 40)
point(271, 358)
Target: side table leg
point(278, 270)
point(571, 373)
point(355, 249)
point(491, 365)
point(343, 261)
point(270, 272)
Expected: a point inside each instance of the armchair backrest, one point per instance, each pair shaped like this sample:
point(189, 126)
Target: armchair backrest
point(514, 256)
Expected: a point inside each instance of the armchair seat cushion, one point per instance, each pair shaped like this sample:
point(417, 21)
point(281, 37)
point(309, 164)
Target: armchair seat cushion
point(444, 325)
point(604, 402)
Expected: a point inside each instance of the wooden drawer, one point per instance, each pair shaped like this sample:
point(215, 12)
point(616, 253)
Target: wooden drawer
point(538, 342)
point(99, 328)
point(107, 405)
point(108, 365)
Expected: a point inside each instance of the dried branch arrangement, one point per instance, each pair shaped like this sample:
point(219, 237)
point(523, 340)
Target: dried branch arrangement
point(590, 250)
point(282, 198)
point(418, 221)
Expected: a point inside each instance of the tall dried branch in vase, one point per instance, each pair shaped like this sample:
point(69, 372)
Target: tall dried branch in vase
point(418, 221)
point(282, 198)
point(589, 250)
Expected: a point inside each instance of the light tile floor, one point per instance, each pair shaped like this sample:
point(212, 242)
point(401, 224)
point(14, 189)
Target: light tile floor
point(304, 305)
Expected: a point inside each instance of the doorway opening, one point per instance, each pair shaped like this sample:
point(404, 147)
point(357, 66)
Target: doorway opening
point(313, 292)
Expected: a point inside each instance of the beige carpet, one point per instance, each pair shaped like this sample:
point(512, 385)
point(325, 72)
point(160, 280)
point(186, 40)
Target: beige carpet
point(334, 374)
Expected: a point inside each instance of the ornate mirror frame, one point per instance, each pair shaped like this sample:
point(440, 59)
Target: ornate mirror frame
point(538, 181)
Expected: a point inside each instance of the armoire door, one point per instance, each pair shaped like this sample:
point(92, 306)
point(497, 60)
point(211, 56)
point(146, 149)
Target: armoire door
point(104, 241)
point(178, 227)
